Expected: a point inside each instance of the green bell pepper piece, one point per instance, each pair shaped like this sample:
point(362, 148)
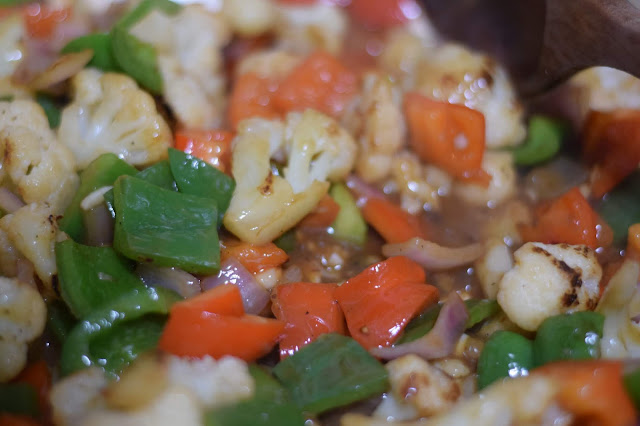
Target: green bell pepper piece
point(160, 175)
point(287, 241)
point(632, 385)
point(331, 372)
point(569, 336)
point(349, 225)
point(269, 406)
point(76, 351)
point(101, 46)
point(137, 59)
point(543, 141)
point(197, 177)
point(19, 399)
point(144, 8)
point(620, 208)
point(60, 321)
point(165, 227)
point(479, 310)
point(102, 171)
point(506, 354)
point(51, 109)
point(92, 277)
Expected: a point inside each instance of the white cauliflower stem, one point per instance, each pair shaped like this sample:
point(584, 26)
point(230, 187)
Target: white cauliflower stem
point(110, 113)
point(265, 205)
point(547, 280)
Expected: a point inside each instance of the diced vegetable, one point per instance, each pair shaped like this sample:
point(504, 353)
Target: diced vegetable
point(137, 59)
point(19, 398)
point(506, 354)
point(621, 207)
point(92, 277)
point(447, 135)
point(100, 44)
point(349, 224)
point(543, 141)
point(331, 372)
point(592, 391)
point(196, 177)
point(102, 171)
point(223, 300)
point(38, 376)
point(572, 336)
point(135, 304)
point(287, 241)
point(633, 242)
point(389, 220)
point(211, 146)
point(41, 21)
point(59, 321)
point(320, 82)
point(380, 14)
point(144, 8)
point(255, 257)
point(309, 311)
point(251, 97)
point(380, 301)
point(480, 309)
point(323, 214)
point(165, 227)
point(51, 109)
point(160, 175)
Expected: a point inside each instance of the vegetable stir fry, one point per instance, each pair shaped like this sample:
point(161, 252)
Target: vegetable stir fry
point(307, 212)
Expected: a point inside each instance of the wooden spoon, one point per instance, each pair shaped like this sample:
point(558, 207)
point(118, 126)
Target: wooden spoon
point(543, 42)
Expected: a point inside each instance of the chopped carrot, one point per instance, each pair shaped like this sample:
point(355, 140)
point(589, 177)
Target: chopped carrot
point(380, 14)
point(41, 21)
point(448, 135)
point(196, 334)
point(256, 258)
point(389, 220)
point(212, 146)
point(380, 301)
point(612, 145)
point(252, 97)
point(569, 219)
point(323, 214)
point(223, 300)
point(37, 374)
point(592, 391)
point(309, 310)
point(320, 82)
point(7, 419)
point(633, 243)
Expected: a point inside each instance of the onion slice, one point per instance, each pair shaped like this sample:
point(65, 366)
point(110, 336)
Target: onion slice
point(254, 297)
point(362, 190)
point(63, 68)
point(182, 282)
point(9, 202)
point(432, 256)
point(442, 338)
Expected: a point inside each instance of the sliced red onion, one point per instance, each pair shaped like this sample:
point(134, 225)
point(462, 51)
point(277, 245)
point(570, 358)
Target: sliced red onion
point(25, 272)
point(183, 283)
point(432, 256)
point(99, 225)
point(442, 338)
point(9, 202)
point(362, 190)
point(254, 296)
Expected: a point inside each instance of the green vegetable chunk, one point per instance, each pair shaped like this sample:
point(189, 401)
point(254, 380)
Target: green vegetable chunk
point(287, 241)
point(270, 406)
point(51, 109)
point(506, 354)
point(76, 351)
point(102, 171)
point(100, 44)
point(196, 177)
point(331, 372)
point(92, 277)
point(349, 224)
point(632, 385)
point(19, 398)
point(543, 141)
point(165, 227)
point(479, 310)
point(569, 336)
point(137, 59)
point(620, 208)
point(160, 175)
point(144, 8)
point(59, 320)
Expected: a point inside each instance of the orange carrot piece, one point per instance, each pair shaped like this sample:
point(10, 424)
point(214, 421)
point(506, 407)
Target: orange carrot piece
point(252, 97)
point(41, 21)
point(211, 146)
point(394, 224)
point(380, 301)
point(593, 391)
point(223, 300)
point(381, 14)
point(320, 82)
point(37, 375)
point(323, 214)
point(309, 310)
point(256, 258)
point(196, 334)
point(7, 419)
point(448, 135)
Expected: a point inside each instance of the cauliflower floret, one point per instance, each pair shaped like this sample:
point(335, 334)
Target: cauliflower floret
point(265, 205)
point(382, 128)
point(23, 315)
point(454, 74)
point(492, 266)
point(502, 186)
point(416, 382)
point(275, 63)
point(9, 256)
point(73, 396)
point(548, 280)
point(307, 28)
point(11, 52)
point(250, 17)
point(189, 50)
point(110, 113)
point(32, 229)
point(40, 168)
